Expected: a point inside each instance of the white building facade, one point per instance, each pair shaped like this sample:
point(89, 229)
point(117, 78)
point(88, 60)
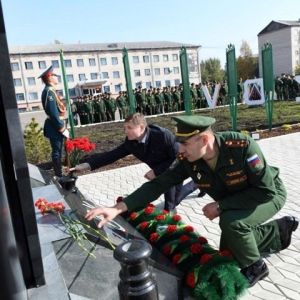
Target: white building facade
point(285, 39)
point(98, 68)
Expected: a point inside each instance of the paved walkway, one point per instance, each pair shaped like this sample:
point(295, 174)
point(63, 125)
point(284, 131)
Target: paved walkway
point(283, 152)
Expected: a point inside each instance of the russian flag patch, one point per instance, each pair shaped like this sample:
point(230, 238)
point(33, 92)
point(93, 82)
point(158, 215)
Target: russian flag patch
point(255, 162)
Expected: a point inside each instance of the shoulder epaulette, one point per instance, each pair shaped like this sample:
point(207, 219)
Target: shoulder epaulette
point(237, 143)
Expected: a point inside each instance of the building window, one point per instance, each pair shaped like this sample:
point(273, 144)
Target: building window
point(58, 78)
point(72, 93)
point(176, 70)
point(114, 60)
point(167, 71)
point(296, 52)
point(146, 58)
point(138, 84)
point(55, 63)
point(105, 75)
point(297, 62)
point(31, 80)
point(157, 71)
point(81, 77)
point(92, 62)
point(70, 78)
point(158, 84)
point(175, 57)
point(106, 88)
point(147, 72)
point(137, 73)
point(148, 84)
point(22, 109)
point(17, 82)
point(35, 108)
point(116, 74)
point(94, 76)
point(177, 82)
point(167, 83)
point(156, 58)
point(117, 88)
point(60, 93)
point(42, 64)
point(20, 97)
point(165, 57)
point(15, 66)
point(103, 61)
point(135, 59)
point(296, 42)
point(28, 65)
point(33, 96)
point(80, 62)
point(68, 63)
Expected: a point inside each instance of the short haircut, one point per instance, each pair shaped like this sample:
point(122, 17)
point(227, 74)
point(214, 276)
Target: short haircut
point(136, 119)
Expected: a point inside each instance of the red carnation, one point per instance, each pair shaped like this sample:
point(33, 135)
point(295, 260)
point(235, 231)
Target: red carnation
point(189, 228)
point(191, 280)
point(176, 218)
point(144, 225)
point(184, 238)
point(153, 237)
point(205, 258)
point(133, 216)
point(160, 218)
point(165, 212)
point(196, 248)
point(171, 228)
point(149, 210)
point(226, 253)
point(176, 259)
point(202, 240)
point(119, 199)
point(167, 250)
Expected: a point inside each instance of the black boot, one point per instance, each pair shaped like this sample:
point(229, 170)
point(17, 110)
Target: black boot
point(56, 162)
point(286, 226)
point(257, 271)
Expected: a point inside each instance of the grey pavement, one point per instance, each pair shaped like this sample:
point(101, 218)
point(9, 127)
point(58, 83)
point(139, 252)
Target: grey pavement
point(283, 152)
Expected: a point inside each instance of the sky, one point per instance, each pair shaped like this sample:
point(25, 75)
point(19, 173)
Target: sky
point(213, 25)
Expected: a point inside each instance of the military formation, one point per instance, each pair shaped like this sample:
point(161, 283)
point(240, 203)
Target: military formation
point(286, 87)
point(152, 101)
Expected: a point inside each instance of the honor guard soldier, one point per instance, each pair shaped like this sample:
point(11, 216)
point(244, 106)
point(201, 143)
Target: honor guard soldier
point(54, 127)
point(231, 168)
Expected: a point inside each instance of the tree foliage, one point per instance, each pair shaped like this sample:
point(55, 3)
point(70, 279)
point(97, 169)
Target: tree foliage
point(37, 147)
point(297, 70)
point(211, 70)
point(246, 64)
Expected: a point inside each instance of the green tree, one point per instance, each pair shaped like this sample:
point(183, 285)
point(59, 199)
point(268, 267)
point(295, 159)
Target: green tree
point(297, 70)
point(211, 70)
point(246, 64)
point(38, 149)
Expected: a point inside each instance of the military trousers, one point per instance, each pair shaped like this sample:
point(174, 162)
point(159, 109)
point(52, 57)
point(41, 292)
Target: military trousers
point(56, 145)
point(245, 233)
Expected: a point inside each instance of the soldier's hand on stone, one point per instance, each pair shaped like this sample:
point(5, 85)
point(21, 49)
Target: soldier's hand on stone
point(80, 168)
point(210, 210)
point(150, 175)
point(108, 213)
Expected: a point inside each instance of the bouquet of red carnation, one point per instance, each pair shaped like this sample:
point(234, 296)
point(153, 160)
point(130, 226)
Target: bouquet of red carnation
point(75, 148)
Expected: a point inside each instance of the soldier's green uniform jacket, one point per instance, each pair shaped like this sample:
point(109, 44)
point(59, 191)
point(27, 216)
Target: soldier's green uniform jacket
point(242, 178)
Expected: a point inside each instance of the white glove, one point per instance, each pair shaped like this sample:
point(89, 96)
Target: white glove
point(66, 133)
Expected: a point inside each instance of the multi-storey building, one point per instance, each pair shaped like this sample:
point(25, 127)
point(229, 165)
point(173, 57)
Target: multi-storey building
point(95, 68)
point(285, 39)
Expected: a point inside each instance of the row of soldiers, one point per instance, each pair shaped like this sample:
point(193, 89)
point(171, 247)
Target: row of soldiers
point(286, 87)
point(152, 101)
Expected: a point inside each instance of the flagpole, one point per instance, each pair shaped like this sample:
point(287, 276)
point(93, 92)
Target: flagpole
point(71, 121)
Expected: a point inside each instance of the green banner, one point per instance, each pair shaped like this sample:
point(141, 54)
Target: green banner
point(268, 77)
point(71, 121)
point(128, 81)
point(185, 80)
point(232, 83)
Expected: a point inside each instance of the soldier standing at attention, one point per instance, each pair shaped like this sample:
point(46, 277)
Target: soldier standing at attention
point(278, 88)
point(231, 168)
point(54, 127)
